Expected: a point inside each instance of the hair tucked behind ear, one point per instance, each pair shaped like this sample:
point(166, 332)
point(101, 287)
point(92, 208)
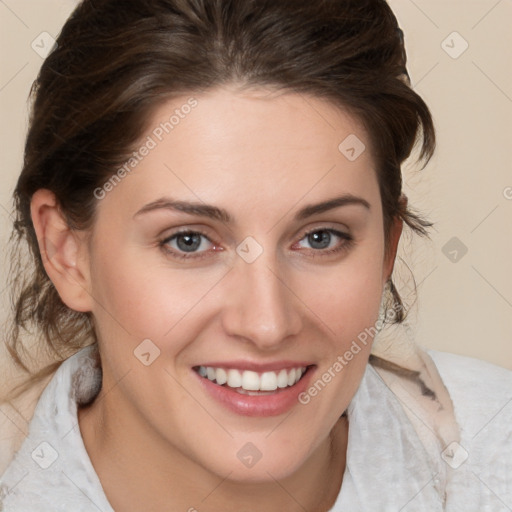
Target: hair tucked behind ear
point(116, 61)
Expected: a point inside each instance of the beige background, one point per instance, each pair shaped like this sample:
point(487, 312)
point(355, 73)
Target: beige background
point(464, 306)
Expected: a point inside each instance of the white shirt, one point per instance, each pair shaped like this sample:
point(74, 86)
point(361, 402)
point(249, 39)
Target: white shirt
point(392, 466)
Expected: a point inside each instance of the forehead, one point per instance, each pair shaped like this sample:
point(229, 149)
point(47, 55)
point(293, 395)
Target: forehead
point(255, 122)
point(250, 147)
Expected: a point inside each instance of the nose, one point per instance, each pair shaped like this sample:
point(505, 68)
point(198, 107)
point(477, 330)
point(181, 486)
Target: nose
point(260, 306)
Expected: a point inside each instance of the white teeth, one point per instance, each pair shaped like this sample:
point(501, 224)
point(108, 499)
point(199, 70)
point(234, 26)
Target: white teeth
point(221, 376)
point(234, 379)
point(252, 381)
point(282, 379)
point(268, 381)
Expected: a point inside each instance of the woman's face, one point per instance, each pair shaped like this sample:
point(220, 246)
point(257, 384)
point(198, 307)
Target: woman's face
point(279, 268)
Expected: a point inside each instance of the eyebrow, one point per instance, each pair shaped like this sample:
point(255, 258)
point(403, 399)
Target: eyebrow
point(215, 213)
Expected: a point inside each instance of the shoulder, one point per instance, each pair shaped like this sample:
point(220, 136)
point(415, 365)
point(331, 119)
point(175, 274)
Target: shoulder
point(479, 390)
point(481, 463)
point(473, 382)
point(15, 416)
point(456, 367)
point(52, 460)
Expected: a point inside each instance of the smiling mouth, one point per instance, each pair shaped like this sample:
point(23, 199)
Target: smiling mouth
point(253, 383)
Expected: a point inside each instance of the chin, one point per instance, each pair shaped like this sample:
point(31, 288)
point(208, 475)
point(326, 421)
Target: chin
point(251, 465)
point(263, 473)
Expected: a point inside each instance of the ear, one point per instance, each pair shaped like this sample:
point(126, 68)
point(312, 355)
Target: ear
point(394, 238)
point(63, 251)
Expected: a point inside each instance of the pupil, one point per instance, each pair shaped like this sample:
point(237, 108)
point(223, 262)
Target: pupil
point(189, 242)
point(320, 239)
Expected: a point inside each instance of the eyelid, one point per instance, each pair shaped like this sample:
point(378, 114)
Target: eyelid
point(183, 231)
point(327, 226)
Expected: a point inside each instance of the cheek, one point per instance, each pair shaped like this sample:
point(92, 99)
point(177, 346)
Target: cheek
point(346, 297)
point(147, 299)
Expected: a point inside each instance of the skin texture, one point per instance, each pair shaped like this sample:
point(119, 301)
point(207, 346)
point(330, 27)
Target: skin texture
point(156, 440)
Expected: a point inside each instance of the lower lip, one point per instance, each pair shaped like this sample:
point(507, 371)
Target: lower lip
point(263, 405)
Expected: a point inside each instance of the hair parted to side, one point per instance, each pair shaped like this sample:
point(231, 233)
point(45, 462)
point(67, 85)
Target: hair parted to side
point(117, 61)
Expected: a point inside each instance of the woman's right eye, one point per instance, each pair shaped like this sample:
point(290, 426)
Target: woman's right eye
point(186, 244)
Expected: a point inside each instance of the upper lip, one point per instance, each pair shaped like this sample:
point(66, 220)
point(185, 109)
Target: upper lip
point(255, 366)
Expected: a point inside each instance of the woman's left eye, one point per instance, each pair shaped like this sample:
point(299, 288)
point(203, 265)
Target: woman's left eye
point(194, 244)
point(327, 240)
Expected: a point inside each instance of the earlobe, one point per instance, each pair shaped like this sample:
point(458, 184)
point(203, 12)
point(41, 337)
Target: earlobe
point(63, 251)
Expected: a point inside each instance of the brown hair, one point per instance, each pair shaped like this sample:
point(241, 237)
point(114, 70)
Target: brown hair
point(116, 61)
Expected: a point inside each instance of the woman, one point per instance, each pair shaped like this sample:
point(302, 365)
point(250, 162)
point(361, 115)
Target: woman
point(212, 197)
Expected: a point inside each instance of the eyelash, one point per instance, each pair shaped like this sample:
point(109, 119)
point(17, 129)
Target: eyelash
point(346, 246)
